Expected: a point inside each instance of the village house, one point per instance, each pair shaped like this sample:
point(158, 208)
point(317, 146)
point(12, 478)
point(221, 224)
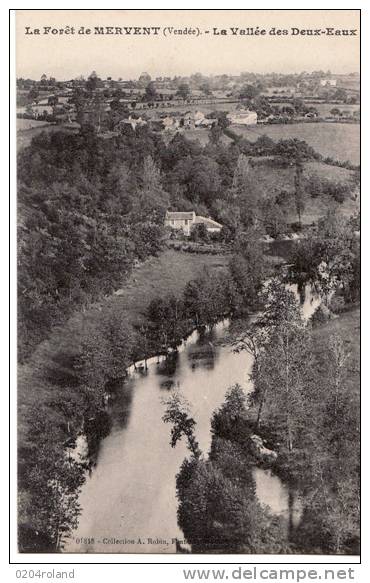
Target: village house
point(241, 117)
point(133, 122)
point(205, 123)
point(186, 220)
point(191, 119)
point(170, 123)
point(328, 82)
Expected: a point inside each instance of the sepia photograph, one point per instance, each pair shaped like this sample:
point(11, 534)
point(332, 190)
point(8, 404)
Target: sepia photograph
point(188, 272)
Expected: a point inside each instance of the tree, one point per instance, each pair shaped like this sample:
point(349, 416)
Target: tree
point(279, 376)
point(151, 92)
point(335, 112)
point(230, 421)
point(92, 82)
point(248, 92)
point(247, 271)
point(218, 510)
point(298, 190)
point(199, 176)
point(205, 87)
point(222, 120)
point(199, 233)
point(253, 341)
point(119, 107)
point(177, 413)
point(33, 94)
point(144, 79)
point(207, 298)
point(151, 201)
point(53, 484)
point(273, 218)
point(215, 134)
point(166, 319)
point(244, 191)
point(98, 113)
point(328, 260)
point(183, 91)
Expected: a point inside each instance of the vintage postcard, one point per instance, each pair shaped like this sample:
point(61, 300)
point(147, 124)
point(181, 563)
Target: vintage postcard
point(188, 202)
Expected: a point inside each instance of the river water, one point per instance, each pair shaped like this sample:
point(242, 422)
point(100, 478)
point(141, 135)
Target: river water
point(129, 501)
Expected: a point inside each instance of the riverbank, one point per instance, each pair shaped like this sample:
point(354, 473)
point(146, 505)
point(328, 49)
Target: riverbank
point(321, 469)
point(63, 387)
point(169, 272)
point(347, 326)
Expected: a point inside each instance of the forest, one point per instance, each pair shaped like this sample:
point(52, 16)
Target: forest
point(305, 410)
point(90, 211)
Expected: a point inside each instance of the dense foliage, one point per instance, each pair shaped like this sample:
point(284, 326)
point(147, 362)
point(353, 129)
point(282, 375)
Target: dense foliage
point(218, 509)
point(90, 207)
point(89, 210)
point(303, 407)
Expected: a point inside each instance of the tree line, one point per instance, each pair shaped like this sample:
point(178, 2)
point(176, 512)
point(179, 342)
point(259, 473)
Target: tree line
point(90, 208)
point(303, 406)
point(64, 384)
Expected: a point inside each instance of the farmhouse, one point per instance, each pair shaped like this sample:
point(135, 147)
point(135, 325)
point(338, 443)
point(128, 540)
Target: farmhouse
point(170, 123)
point(133, 122)
point(205, 123)
point(328, 82)
point(191, 119)
point(186, 220)
point(245, 117)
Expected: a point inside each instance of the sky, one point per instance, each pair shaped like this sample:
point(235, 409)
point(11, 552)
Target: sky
point(67, 56)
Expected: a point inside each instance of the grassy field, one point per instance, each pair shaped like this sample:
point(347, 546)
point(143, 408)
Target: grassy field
point(25, 136)
point(180, 108)
point(347, 325)
point(202, 135)
point(337, 140)
point(325, 108)
point(158, 276)
point(29, 124)
point(272, 180)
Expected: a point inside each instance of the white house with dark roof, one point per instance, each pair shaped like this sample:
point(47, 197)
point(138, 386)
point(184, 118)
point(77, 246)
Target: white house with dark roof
point(186, 220)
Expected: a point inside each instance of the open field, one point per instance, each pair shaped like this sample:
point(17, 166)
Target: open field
point(158, 276)
point(28, 124)
point(324, 108)
point(183, 108)
point(272, 180)
point(202, 136)
point(25, 136)
point(337, 140)
point(347, 326)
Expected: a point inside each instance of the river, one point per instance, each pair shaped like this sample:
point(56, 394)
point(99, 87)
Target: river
point(129, 501)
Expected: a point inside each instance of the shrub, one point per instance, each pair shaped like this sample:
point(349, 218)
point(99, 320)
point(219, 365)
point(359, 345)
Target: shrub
point(337, 304)
point(321, 315)
point(199, 233)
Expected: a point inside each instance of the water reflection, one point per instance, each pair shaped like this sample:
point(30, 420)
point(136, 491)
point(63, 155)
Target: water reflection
point(204, 352)
point(278, 497)
point(131, 494)
point(167, 366)
point(120, 405)
point(129, 502)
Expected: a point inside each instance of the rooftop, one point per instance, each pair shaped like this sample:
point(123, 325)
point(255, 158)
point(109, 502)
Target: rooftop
point(177, 215)
point(207, 221)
